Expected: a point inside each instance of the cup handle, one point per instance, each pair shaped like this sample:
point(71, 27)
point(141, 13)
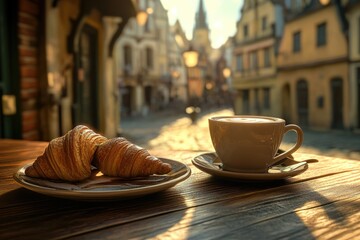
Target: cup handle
point(300, 138)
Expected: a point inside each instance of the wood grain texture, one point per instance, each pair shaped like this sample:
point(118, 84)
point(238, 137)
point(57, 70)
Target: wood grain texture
point(321, 203)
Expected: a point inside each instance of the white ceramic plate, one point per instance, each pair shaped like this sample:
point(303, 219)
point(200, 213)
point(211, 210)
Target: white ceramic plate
point(101, 188)
point(211, 164)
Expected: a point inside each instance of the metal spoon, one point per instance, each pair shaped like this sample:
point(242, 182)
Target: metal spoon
point(288, 168)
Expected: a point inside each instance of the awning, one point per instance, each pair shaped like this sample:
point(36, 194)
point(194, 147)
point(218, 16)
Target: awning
point(125, 9)
point(112, 8)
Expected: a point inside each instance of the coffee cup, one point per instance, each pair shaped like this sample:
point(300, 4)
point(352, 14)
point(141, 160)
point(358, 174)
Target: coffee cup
point(248, 143)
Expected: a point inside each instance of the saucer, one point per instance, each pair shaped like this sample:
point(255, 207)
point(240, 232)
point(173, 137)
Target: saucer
point(210, 163)
point(103, 188)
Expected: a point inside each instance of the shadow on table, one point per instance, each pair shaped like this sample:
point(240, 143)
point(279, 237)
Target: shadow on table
point(271, 210)
point(52, 217)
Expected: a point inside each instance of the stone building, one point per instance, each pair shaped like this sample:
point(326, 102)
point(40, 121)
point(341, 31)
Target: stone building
point(56, 66)
point(143, 62)
point(178, 92)
point(255, 48)
point(227, 50)
point(353, 16)
point(313, 67)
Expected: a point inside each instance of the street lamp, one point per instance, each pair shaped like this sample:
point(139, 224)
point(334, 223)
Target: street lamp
point(226, 72)
point(175, 74)
point(225, 86)
point(191, 57)
point(141, 17)
point(324, 2)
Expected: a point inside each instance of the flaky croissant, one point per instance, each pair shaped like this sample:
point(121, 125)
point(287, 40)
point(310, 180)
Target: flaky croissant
point(68, 157)
point(118, 157)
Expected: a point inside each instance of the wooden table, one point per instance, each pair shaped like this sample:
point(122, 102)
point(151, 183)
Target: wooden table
point(321, 203)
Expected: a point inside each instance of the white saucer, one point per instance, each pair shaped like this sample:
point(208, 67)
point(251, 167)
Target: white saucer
point(102, 188)
point(211, 164)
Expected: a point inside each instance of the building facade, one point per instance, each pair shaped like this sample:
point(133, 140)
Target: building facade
point(61, 69)
point(255, 48)
point(313, 70)
point(144, 64)
point(178, 43)
point(353, 16)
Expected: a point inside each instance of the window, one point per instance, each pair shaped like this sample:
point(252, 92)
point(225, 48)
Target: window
point(239, 62)
point(149, 58)
point(245, 31)
point(267, 59)
point(296, 5)
point(266, 99)
point(297, 42)
point(264, 23)
point(321, 35)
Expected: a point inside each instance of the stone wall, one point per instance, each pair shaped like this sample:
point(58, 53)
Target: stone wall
point(29, 74)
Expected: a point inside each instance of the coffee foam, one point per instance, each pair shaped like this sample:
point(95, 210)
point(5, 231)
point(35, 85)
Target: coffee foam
point(245, 120)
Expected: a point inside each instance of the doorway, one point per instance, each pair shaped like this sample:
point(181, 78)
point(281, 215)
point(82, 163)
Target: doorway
point(148, 96)
point(337, 103)
point(10, 124)
point(302, 102)
point(358, 95)
point(86, 90)
point(126, 103)
point(246, 101)
point(286, 103)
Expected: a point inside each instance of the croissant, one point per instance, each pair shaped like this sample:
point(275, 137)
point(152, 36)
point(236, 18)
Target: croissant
point(68, 157)
point(118, 157)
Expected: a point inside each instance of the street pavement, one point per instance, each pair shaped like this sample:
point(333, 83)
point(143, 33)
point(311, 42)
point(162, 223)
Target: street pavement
point(170, 130)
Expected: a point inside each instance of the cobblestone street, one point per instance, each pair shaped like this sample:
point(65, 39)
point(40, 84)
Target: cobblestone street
point(172, 131)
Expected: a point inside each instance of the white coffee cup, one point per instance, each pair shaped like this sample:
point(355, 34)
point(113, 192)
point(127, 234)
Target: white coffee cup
point(248, 143)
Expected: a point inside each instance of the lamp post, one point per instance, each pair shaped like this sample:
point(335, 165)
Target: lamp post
point(191, 57)
point(225, 86)
point(175, 75)
point(142, 15)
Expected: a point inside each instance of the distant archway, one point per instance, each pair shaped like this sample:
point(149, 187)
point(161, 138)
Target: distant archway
point(302, 97)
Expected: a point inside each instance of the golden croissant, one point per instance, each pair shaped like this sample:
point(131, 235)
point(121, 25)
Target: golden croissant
point(118, 157)
point(68, 157)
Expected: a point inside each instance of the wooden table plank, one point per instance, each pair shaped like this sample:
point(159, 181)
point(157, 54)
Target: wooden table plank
point(251, 215)
point(323, 202)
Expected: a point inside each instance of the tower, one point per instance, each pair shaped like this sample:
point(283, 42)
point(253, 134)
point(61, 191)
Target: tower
point(201, 40)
